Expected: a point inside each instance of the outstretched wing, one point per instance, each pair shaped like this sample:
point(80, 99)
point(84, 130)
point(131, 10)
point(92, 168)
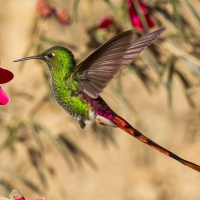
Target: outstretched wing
point(98, 69)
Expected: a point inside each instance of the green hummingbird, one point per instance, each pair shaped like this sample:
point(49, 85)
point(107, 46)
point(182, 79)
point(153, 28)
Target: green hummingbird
point(77, 87)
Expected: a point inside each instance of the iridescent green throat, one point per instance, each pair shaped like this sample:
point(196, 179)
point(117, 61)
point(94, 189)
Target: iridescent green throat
point(66, 89)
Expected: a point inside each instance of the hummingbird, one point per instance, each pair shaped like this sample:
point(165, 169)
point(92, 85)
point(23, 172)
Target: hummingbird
point(77, 87)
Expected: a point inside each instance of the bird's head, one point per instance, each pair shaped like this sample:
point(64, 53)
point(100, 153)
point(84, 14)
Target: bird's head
point(56, 58)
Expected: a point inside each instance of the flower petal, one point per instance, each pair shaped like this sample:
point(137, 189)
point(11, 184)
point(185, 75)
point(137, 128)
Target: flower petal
point(105, 22)
point(4, 98)
point(62, 16)
point(138, 24)
point(150, 21)
point(143, 8)
point(131, 8)
point(19, 198)
point(5, 76)
point(44, 8)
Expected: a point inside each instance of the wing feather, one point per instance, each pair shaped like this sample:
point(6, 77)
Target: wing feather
point(99, 68)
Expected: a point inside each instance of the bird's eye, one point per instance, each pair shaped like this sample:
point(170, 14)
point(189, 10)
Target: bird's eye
point(50, 55)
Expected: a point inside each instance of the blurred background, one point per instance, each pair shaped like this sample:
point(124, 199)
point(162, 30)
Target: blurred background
point(44, 152)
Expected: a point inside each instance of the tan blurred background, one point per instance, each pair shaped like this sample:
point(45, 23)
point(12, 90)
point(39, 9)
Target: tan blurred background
point(126, 169)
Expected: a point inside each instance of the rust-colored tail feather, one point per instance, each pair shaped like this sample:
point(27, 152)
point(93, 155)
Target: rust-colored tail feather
point(124, 125)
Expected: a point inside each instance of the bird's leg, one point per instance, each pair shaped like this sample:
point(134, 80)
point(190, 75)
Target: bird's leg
point(82, 123)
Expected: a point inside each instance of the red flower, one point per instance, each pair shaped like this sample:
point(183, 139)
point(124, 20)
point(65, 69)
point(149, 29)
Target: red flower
point(105, 22)
point(5, 77)
point(135, 20)
point(44, 8)
point(62, 16)
point(131, 8)
point(138, 24)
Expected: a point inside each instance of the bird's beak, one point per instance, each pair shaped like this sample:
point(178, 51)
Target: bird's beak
point(28, 58)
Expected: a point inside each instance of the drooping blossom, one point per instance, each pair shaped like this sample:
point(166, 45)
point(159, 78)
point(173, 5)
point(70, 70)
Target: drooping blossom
point(131, 8)
point(44, 9)
point(4, 98)
point(5, 77)
point(105, 22)
point(135, 19)
point(138, 24)
point(15, 195)
point(62, 16)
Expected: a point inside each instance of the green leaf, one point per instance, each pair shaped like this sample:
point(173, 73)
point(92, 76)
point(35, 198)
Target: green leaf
point(168, 64)
point(126, 15)
point(192, 89)
point(151, 60)
point(170, 85)
point(36, 161)
point(178, 17)
point(123, 102)
point(103, 133)
point(186, 85)
point(142, 76)
point(12, 133)
point(119, 83)
point(76, 151)
point(35, 132)
point(6, 187)
point(75, 10)
point(21, 177)
point(191, 66)
point(113, 7)
point(57, 144)
point(193, 11)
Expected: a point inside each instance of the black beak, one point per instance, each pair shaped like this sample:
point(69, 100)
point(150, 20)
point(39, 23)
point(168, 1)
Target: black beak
point(28, 58)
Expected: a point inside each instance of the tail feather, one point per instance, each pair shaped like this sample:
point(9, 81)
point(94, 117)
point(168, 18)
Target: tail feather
point(124, 125)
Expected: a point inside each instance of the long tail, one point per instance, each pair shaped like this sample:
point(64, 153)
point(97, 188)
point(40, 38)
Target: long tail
point(124, 125)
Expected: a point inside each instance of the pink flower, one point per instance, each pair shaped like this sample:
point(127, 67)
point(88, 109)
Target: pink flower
point(143, 8)
point(44, 8)
point(15, 195)
point(135, 20)
point(4, 98)
point(105, 22)
point(138, 24)
point(20, 198)
point(62, 16)
point(131, 8)
point(5, 77)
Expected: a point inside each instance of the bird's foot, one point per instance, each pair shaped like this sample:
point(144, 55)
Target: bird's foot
point(82, 124)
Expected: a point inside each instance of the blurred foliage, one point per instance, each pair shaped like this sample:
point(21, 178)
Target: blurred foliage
point(166, 58)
